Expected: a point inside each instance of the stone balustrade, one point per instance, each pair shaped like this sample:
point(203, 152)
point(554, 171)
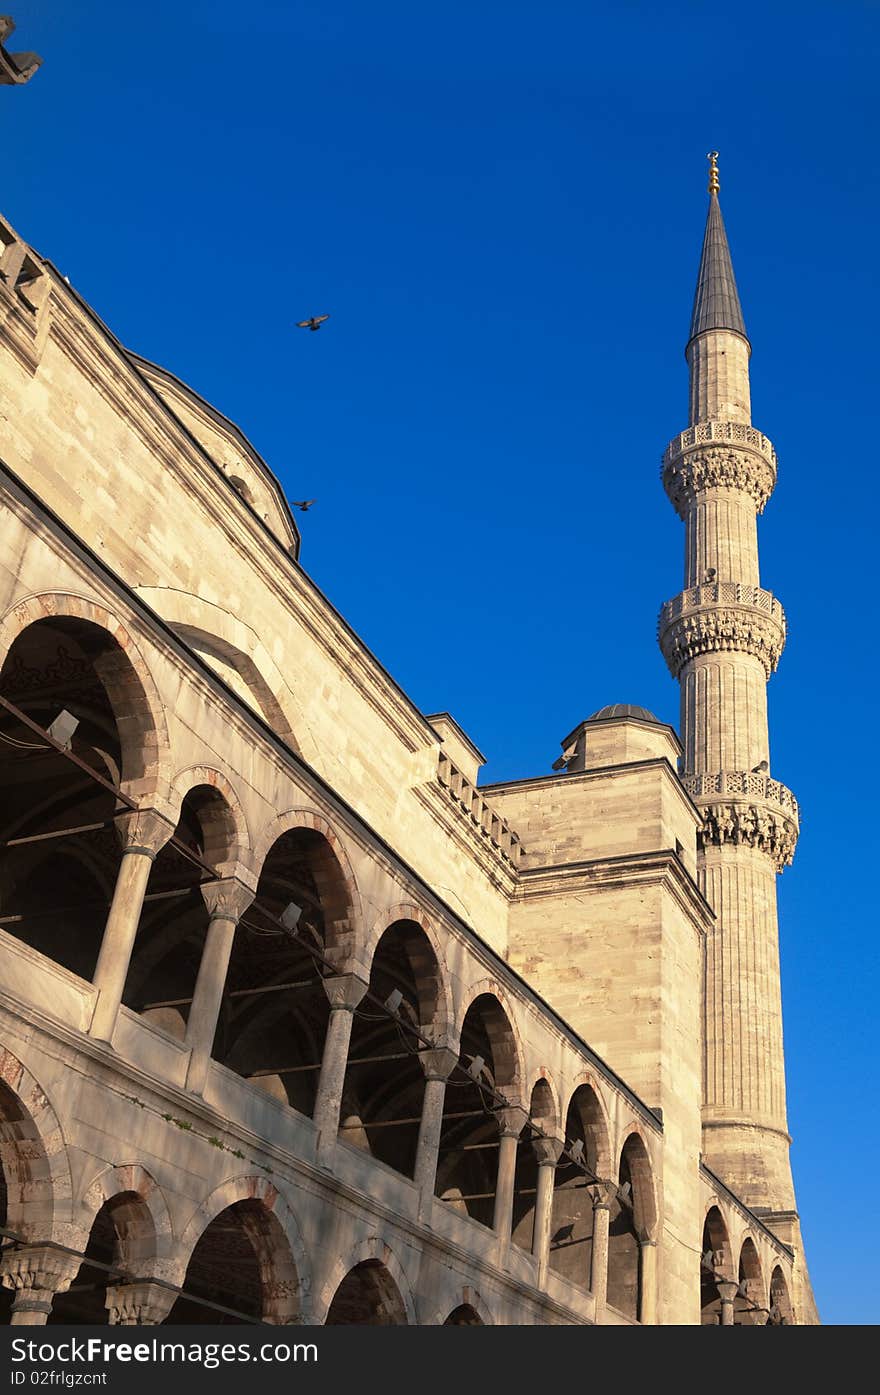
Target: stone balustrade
point(725, 431)
point(746, 808)
point(722, 616)
point(485, 820)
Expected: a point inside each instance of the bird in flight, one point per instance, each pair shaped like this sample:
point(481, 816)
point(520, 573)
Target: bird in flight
point(313, 323)
point(304, 504)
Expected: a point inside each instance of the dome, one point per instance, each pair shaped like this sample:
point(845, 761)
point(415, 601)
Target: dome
point(624, 709)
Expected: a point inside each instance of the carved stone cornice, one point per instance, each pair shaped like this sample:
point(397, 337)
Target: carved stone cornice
point(741, 808)
point(718, 455)
point(724, 617)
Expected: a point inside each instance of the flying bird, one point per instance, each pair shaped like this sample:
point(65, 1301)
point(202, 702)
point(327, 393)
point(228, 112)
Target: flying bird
point(313, 323)
point(304, 504)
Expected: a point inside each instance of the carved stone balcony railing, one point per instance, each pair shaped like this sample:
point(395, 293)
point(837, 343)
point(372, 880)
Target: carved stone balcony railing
point(725, 616)
point(718, 455)
point(746, 808)
point(478, 811)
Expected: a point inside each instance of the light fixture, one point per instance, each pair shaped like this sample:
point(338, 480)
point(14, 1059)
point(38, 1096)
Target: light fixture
point(475, 1069)
point(625, 1193)
point(393, 1001)
point(289, 917)
point(576, 1151)
point(63, 727)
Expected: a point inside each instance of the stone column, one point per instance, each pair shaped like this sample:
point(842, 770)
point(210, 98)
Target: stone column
point(648, 1305)
point(547, 1151)
point(344, 992)
point(601, 1194)
point(144, 832)
point(227, 900)
point(728, 1291)
point(437, 1063)
point(511, 1122)
point(35, 1274)
point(142, 1304)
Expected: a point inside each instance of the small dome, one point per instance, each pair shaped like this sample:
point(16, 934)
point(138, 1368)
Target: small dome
point(623, 709)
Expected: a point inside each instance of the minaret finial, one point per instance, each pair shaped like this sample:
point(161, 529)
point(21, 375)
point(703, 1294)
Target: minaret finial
point(714, 182)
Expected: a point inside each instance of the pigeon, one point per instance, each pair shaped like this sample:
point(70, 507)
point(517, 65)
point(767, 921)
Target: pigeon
point(304, 504)
point(313, 323)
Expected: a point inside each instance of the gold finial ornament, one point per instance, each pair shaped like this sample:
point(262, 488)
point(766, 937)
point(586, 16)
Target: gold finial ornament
point(714, 181)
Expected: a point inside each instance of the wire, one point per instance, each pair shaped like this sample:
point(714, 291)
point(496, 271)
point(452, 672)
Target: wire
point(23, 745)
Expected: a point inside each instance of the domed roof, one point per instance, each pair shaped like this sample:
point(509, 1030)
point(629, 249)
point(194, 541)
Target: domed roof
point(623, 709)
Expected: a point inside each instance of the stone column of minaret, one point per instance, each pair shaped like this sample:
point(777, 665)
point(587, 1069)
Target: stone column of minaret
point(722, 638)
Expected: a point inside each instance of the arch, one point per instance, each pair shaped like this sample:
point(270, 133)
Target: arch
point(33, 1156)
point(749, 1307)
point(781, 1308)
point(384, 1086)
point(377, 1255)
point(443, 1009)
point(344, 911)
point(716, 1234)
point(571, 1231)
point(173, 925)
point(195, 776)
point(631, 1227)
point(275, 1010)
point(270, 1225)
point(142, 1245)
point(473, 1113)
point(122, 1234)
point(214, 633)
point(123, 672)
point(469, 1302)
point(465, 1315)
point(716, 1264)
point(586, 1111)
point(503, 1036)
point(544, 1103)
point(635, 1157)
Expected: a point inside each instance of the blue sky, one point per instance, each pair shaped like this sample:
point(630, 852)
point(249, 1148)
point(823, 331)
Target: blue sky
point(501, 205)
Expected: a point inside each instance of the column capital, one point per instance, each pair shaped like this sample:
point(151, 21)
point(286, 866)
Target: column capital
point(227, 898)
point(602, 1194)
point(512, 1119)
point(143, 830)
point(145, 1303)
point(548, 1150)
point(438, 1062)
point(727, 1289)
point(344, 991)
point(39, 1267)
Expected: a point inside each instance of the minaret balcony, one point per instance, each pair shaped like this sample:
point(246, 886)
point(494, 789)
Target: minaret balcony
point(718, 455)
point(745, 808)
point(723, 616)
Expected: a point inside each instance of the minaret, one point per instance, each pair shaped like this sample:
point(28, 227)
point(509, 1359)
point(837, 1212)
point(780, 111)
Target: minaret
point(722, 638)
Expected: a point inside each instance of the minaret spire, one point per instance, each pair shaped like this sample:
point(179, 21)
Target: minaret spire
point(722, 637)
point(716, 301)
